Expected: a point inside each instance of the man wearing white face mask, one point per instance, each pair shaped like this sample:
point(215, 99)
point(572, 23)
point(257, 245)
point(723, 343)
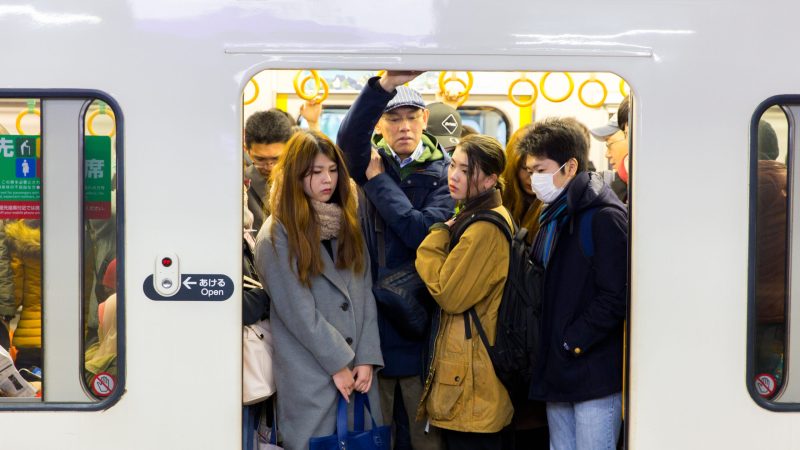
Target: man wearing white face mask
point(582, 245)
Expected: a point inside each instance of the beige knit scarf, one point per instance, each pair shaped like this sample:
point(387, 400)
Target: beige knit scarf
point(330, 219)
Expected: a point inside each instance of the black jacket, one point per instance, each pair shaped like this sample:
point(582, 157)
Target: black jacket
point(408, 205)
point(585, 300)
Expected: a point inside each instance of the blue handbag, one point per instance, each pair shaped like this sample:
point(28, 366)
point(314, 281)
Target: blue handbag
point(376, 438)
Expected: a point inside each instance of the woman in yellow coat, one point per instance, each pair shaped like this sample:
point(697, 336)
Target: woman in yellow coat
point(23, 238)
point(462, 395)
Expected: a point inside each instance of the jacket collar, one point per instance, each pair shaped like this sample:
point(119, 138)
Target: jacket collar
point(330, 271)
point(588, 190)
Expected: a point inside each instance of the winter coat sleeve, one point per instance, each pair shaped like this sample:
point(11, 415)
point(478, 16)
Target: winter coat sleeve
point(411, 225)
point(369, 347)
point(470, 272)
point(610, 268)
point(355, 132)
point(295, 305)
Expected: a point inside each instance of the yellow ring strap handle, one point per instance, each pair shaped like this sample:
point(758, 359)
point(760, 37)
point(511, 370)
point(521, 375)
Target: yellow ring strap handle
point(558, 99)
point(316, 98)
point(601, 101)
point(92, 116)
point(298, 89)
point(255, 94)
point(23, 114)
point(462, 96)
point(622, 88)
point(467, 84)
point(520, 103)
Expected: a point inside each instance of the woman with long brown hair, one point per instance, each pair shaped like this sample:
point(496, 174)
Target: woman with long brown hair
point(518, 195)
point(311, 256)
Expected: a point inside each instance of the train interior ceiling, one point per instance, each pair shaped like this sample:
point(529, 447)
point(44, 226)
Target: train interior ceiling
point(493, 103)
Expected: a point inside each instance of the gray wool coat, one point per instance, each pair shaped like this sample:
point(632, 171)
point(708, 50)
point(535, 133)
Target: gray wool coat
point(315, 333)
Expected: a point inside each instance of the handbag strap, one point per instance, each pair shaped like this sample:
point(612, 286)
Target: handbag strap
point(341, 423)
point(361, 402)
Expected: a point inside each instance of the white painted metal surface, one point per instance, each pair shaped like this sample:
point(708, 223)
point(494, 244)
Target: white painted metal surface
point(698, 70)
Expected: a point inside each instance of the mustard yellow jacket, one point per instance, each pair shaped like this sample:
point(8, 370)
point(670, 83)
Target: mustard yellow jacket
point(26, 263)
point(462, 392)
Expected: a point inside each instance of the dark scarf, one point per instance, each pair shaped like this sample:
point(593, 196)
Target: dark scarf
point(550, 222)
point(489, 199)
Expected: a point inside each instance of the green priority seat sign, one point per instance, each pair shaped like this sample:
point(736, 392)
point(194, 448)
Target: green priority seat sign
point(21, 177)
point(97, 177)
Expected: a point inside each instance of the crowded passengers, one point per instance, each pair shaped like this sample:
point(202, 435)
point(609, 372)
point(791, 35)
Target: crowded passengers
point(385, 282)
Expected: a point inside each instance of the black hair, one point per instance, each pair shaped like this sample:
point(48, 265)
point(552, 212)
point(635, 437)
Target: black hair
point(484, 153)
point(267, 127)
point(559, 139)
point(624, 112)
point(767, 142)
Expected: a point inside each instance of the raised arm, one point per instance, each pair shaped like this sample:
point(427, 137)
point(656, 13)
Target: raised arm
point(358, 125)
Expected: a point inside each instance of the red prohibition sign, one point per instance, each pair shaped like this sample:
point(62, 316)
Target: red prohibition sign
point(103, 384)
point(766, 384)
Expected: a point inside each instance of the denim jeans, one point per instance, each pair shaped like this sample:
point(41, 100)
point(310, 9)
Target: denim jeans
point(589, 425)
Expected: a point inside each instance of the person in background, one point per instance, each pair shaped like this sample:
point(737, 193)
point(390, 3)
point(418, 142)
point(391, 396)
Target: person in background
point(311, 257)
point(444, 123)
point(584, 296)
point(530, 418)
point(101, 356)
point(24, 244)
point(518, 196)
point(467, 281)
point(403, 173)
point(615, 136)
point(770, 278)
point(265, 136)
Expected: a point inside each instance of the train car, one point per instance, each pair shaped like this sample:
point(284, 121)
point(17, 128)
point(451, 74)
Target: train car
point(122, 147)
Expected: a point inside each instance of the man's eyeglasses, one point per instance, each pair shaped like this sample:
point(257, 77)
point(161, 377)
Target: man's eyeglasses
point(264, 162)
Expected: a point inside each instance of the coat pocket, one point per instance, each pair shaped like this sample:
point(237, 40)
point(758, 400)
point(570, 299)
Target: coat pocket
point(448, 389)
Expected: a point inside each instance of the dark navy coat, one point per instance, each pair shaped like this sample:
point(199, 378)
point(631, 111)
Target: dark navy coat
point(408, 207)
point(585, 300)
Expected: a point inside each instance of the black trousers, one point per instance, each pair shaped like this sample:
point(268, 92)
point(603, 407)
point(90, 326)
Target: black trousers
point(457, 440)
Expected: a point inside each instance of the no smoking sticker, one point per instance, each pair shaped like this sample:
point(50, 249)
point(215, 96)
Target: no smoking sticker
point(103, 384)
point(765, 385)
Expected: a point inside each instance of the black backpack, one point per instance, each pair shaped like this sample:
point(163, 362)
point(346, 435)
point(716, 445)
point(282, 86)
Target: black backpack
point(518, 318)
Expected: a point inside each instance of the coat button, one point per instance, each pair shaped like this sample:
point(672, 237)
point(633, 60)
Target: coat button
point(345, 306)
point(457, 378)
point(349, 341)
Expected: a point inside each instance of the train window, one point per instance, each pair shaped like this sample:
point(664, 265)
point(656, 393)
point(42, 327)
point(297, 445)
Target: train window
point(484, 119)
point(773, 370)
point(60, 296)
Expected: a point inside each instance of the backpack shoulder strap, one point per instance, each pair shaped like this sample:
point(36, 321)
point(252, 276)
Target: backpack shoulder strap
point(489, 216)
point(585, 233)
